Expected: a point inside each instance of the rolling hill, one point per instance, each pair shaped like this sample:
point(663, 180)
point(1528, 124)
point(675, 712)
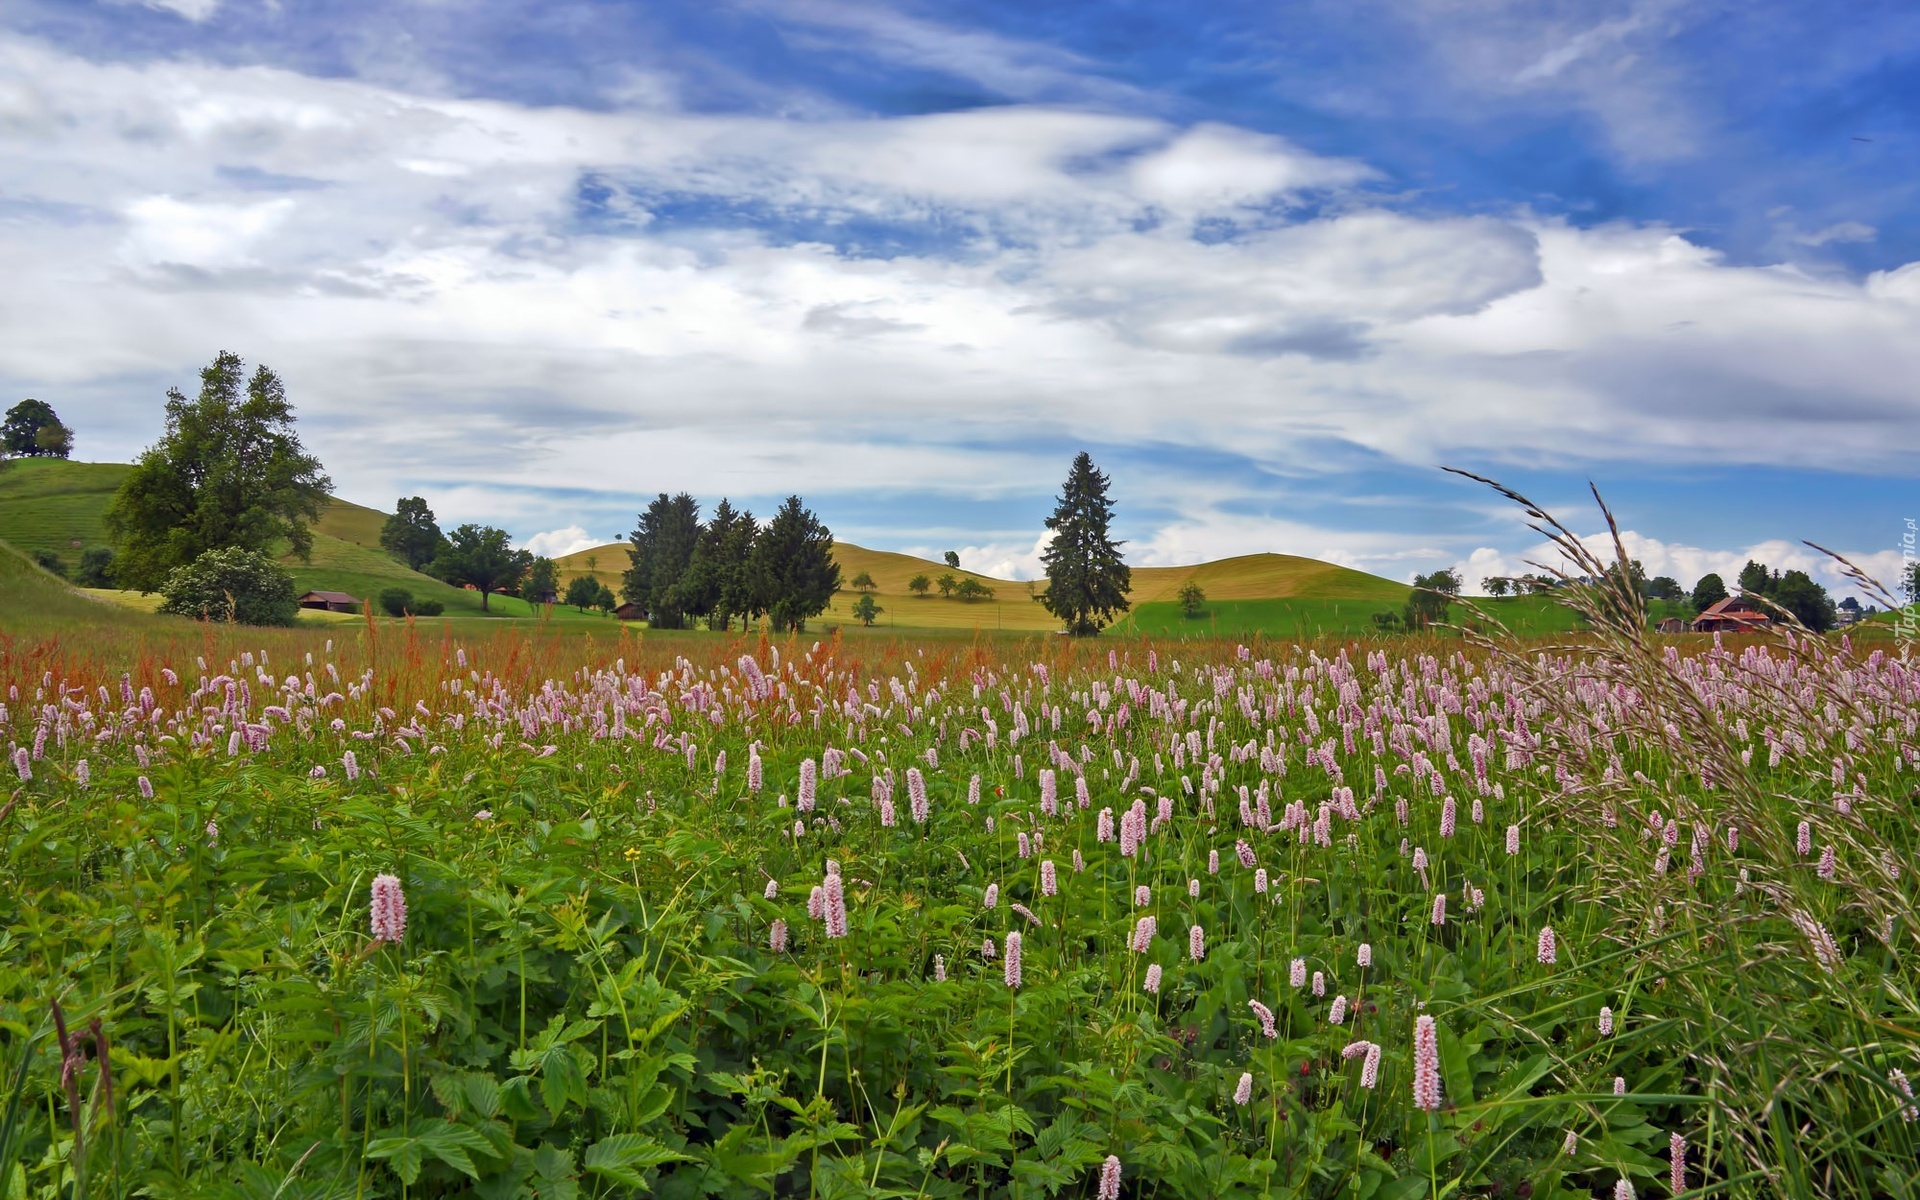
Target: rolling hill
point(57, 506)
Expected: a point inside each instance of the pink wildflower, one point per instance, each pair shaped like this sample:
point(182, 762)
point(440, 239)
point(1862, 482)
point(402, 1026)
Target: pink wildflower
point(1619, 1085)
point(1109, 1179)
point(1513, 839)
point(1196, 943)
point(1297, 973)
point(1622, 1190)
point(1079, 863)
point(388, 910)
point(1260, 880)
point(1546, 950)
point(1265, 1015)
point(1426, 1064)
point(992, 897)
point(1012, 970)
point(1370, 1069)
point(1606, 1021)
point(1104, 830)
point(816, 903)
point(939, 968)
point(834, 898)
point(1213, 862)
point(1153, 979)
point(1319, 984)
point(1448, 817)
point(1143, 931)
point(1440, 909)
point(1243, 1091)
point(1193, 888)
point(1245, 852)
point(777, 936)
point(1826, 867)
point(1142, 896)
point(1337, 1015)
point(1677, 1163)
point(1803, 839)
point(1049, 878)
point(1365, 955)
point(773, 888)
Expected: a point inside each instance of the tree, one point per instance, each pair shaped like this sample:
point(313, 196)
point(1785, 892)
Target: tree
point(606, 601)
point(395, 601)
point(972, 589)
point(1708, 591)
point(481, 556)
point(866, 609)
point(583, 592)
point(1665, 587)
point(1192, 599)
point(1809, 602)
point(411, 535)
point(946, 583)
point(863, 582)
point(952, 558)
point(542, 582)
point(1432, 596)
point(33, 430)
point(96, 568)
point(1087, 580)
point(794, 568)
point(918, 585)
point(716, 583)
point(661, 547)
point(232, 584)
point(50, 562)
point(228, 472)
point(1495, 585)
point(1754, 579)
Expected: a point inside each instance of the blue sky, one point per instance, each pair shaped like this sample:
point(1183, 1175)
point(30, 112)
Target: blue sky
point(1272, 263)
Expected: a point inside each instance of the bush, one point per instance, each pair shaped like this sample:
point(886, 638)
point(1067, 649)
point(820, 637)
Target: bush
point(96, 568)
point(399, 602)
point(50, 562)
point(241, 586)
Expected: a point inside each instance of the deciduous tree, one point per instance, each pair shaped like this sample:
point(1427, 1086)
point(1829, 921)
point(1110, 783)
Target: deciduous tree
point(33, 430)
point(483, 557)
point(411, 534)
point(228, 472)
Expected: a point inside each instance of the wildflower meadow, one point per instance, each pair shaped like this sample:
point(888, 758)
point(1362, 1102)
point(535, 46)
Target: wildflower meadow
point(727, 917)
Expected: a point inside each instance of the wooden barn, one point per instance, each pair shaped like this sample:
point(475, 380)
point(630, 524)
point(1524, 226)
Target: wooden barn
point(629, 611)
point(330, 602)
point(1735, 614)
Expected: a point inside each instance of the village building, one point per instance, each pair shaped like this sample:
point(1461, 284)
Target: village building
point(330, 602)
point(1735, 614)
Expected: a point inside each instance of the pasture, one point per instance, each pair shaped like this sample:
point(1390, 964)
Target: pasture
point(696, 915)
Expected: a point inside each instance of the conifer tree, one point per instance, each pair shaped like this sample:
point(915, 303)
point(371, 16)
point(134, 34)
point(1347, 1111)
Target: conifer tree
point(661, 548)
point(794, 567)
point(1087, 580)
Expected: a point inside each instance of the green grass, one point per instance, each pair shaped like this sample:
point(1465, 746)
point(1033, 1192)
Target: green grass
point(1524, 616)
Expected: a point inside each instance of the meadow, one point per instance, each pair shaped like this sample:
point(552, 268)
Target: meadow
point(437, 911)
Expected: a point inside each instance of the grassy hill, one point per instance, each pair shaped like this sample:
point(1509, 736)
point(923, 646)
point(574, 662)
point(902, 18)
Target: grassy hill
point(58, 506)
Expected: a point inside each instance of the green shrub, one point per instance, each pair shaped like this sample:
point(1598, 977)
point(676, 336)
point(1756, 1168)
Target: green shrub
point(399, 602)
point(50, 562)
point(96, 568)
point(241, 586)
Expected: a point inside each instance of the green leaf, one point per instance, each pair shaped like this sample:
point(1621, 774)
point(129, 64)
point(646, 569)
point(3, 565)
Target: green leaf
point(403, 1154)
point(623, 1156)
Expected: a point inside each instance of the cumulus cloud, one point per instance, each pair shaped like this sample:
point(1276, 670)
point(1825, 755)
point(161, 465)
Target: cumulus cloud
point(558, 543)
point(612, 303)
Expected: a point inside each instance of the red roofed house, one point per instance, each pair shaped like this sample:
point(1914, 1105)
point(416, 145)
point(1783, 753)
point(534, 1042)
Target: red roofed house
point(1735, 614)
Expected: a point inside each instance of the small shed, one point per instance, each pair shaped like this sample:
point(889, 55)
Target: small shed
point(629, 611)
point(1735, 614)
point(330, 602)
point(1673, 625)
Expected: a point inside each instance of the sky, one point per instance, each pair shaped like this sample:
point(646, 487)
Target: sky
point(1272, 264)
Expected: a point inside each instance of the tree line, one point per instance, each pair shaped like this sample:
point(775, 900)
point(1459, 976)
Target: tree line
point(730, 566)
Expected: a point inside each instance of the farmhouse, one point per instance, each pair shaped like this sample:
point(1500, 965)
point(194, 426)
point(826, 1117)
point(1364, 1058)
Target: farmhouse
point(1735, 614)
point(330, 602)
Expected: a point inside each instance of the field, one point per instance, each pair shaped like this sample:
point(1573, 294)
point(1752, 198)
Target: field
point(487, 910)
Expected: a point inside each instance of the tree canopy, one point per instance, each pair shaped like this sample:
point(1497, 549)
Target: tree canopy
point(1432, 597)
point(1087, 579)
point(1708, 591)
point(661, 548)
point(794, 567)
point(719, 584)
point(229, 471)
point(481, 556)
point(411, 534)
point(33, 430)
point(232, 584)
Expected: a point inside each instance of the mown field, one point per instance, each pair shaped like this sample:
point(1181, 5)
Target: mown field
point(689, 915)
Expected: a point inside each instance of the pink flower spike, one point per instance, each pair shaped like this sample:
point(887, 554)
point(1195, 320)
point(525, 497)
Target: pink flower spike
point(1297, 972)
point(1677, 1163)
point(1547, 950)
point(1153, 979)
point(1196, 943)
point(1606, 1021)
point(388, 910)
point(1109, 1179)
point(1243, 1091)
point(1013, 960)
point(1265, 1015)
point(1440, 909)
point(1426, 1064)
point(1365, 955)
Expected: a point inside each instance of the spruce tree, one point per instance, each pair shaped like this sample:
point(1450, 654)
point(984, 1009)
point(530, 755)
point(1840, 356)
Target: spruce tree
point(1087, 580)
point(793, 567)
point(661, 548)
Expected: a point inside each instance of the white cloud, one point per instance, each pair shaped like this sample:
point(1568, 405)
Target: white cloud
point(430, 278)
point(192, 10)
point(558, 543)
